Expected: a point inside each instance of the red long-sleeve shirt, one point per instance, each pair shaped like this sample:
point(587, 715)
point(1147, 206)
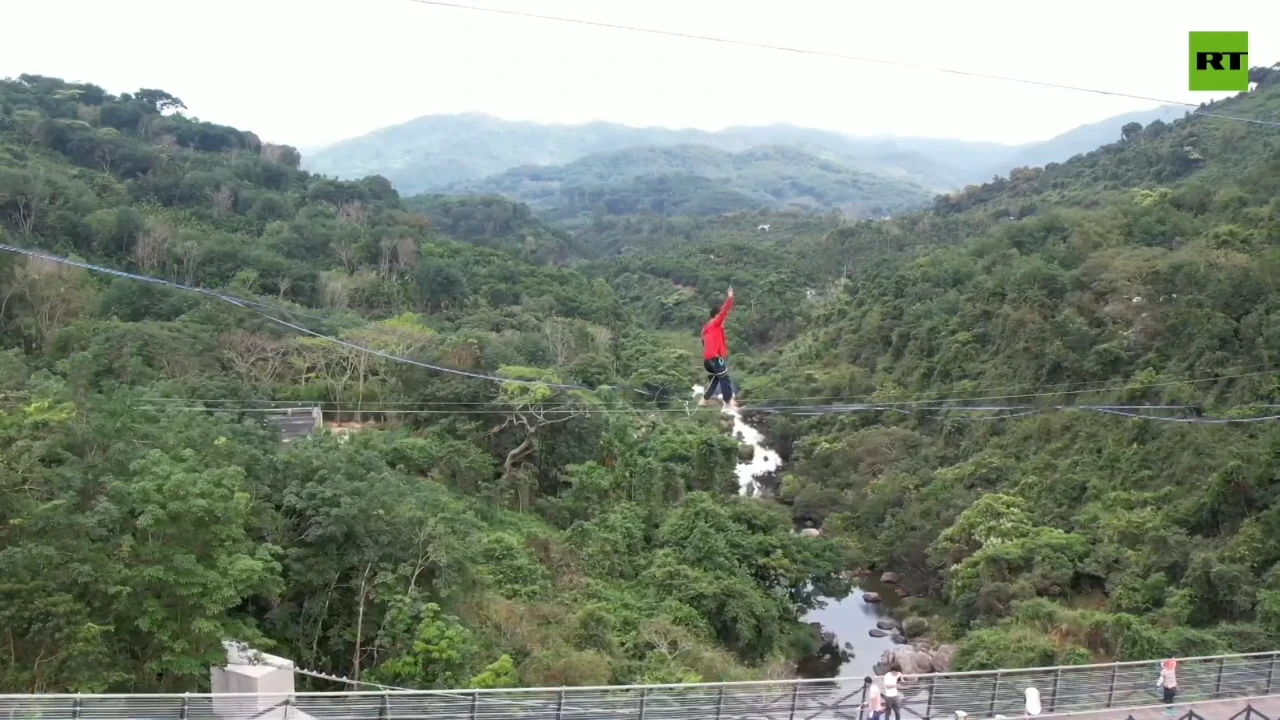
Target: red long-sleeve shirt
point(713, 340)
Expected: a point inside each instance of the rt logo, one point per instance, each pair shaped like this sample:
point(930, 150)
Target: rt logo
point(1219, 61)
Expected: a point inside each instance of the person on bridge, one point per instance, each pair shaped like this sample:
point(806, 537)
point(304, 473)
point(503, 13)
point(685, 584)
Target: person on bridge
point(891, 697)
point(875, 701)
point(1168, 680)
point(715, 356)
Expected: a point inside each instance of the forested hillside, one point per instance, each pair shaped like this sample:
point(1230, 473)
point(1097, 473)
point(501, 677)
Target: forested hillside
point(699, 180)
point(481, 534)
point(434, 152)
point(1144, 273)
point(476, 533)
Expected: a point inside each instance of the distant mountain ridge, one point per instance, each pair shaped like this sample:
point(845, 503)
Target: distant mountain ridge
point(699, 180)
point(434, 152)
point(1079, 140)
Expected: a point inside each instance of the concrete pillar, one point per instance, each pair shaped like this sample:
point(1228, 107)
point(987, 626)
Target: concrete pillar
point(267, 677)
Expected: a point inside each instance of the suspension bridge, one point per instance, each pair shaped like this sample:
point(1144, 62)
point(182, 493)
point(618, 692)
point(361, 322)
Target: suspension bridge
point(1223, 687)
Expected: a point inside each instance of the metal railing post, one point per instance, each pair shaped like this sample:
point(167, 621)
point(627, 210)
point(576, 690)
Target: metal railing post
point(644, 694)
point(928, 706)
point(475, 703)
point(1053, 701)
point(76, 707)
point(288, 706)
point(795, 698)
point(1217, 685)
point(995, 691)
point(720, 703)
point(560, 704)
point(862, 704)
point(186, 706)
point(1111, 691)
point(384, 712)
point(1271, 673)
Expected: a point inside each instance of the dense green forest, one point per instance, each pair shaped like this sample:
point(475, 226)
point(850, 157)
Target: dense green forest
point(486, 535)
point(493, 534)
point(1143, 273)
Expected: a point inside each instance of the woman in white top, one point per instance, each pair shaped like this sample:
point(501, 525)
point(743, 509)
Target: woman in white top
point(892, 700)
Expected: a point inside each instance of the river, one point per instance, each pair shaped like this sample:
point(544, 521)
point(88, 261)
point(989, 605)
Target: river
point(851, 618)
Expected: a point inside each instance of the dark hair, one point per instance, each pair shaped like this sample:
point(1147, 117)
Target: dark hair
point(714, 312)
point(867, 680)
point(895, 668)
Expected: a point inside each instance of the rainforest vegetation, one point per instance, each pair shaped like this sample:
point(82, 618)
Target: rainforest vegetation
point(463, 532)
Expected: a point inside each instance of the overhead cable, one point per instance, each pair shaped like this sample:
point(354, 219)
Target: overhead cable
point(838, 56)
point(248, 305)
point(803, 410)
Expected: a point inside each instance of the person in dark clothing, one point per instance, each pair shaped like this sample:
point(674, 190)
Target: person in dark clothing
point(715, 356)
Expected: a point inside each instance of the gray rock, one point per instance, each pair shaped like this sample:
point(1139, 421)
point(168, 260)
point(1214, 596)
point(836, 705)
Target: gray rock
point(943, 657)
point(887, 625)
point(877, 632)
point(811, 532)
point(871, 597)
point(899, 638)
point(917, 660)
point(890, 578)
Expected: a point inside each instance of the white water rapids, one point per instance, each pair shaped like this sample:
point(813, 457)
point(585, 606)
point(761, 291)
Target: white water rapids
point(763, 460)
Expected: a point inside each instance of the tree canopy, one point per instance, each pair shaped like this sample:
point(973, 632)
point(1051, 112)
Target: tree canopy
point(468, 533)
point(472, 534)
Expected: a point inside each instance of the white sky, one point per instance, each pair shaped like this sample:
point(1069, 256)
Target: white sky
point(311, 72)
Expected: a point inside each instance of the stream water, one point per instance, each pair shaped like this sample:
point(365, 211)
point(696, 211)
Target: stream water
point(850, 618)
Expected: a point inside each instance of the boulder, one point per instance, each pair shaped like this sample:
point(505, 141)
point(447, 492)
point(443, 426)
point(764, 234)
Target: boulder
point(871, 597)
point(899, 638)
point(887, 624)
point(943, 657)
point(901, 592)
point(811, 532)
point(890, 578)
point(911, 660)
point(877, 632)
point(917, 660)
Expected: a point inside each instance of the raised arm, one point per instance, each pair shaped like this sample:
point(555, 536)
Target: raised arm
point(719, 319)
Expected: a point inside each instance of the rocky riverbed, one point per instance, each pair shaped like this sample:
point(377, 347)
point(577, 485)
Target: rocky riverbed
point(860, 633)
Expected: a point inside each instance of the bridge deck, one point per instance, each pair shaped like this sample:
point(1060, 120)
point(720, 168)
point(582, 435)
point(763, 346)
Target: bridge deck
point(1233, 687)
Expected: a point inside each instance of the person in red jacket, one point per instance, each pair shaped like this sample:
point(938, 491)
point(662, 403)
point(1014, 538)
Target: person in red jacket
point(715, 356)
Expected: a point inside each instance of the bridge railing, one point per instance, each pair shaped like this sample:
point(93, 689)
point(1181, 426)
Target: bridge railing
point(1073, 690)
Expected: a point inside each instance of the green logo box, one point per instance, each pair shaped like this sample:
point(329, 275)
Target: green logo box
point(1219, 61)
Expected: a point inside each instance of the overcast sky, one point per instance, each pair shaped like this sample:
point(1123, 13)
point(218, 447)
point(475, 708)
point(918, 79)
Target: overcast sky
point(311, 72)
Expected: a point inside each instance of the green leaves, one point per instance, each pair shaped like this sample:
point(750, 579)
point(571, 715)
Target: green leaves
point(186, 558)
point(436, 652)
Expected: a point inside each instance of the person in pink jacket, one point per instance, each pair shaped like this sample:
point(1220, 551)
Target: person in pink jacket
point(1168, 680)
point(875, 701)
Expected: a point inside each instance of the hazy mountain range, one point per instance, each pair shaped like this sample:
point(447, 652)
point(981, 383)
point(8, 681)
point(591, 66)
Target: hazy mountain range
point(573, 167)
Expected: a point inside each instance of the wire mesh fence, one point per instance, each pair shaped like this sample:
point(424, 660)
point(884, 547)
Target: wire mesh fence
point(1068, 690)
